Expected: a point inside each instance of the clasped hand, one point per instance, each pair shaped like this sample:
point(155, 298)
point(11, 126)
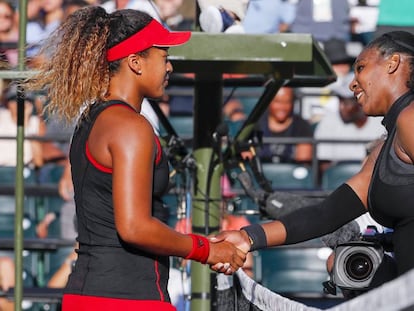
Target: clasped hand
point(228, 251)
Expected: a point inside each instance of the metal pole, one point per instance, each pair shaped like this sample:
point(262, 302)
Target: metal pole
point(19, 183)
point(208, 99)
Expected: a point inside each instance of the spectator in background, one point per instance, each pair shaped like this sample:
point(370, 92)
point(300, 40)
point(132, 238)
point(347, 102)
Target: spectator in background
point(222, 16)
point(147, 6)
point(7, 280)
point(70, 6)
point(7, 277)
point(395, 16)
point(234, 115)
point(8, 121)
point(9, 35)
point(351, 123)
point(321, 99)
point(341, 61)
point(281, 121)
point(170, 11)
point(40, 28)
point(364, 18)
point(33, 9)
point(242, 16)
point(269, 16)
point(323, 19)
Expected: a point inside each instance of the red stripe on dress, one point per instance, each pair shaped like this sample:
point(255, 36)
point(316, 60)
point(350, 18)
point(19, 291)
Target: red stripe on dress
point(95, 163)
point(159, 150)
point(157, 273)
point(108, 169)
point(88, 153)
point(72, 302)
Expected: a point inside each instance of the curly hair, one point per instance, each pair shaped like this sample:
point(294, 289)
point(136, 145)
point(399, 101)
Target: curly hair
point(396, 42)
point(77, 72)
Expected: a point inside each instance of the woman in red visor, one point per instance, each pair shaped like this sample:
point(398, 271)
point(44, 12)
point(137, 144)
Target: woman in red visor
point(104, 65)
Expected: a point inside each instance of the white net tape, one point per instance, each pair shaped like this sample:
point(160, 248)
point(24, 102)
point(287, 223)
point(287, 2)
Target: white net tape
point(396, 295)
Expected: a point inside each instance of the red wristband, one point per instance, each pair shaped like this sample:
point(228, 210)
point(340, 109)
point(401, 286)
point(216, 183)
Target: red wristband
point(200, 250)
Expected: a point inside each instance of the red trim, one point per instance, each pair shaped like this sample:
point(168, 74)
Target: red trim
point(159, 150)
point(89, 155)
point(153, 34)
point(109, 169)
point(95, 163)
point(157, 273)
point(72, 302)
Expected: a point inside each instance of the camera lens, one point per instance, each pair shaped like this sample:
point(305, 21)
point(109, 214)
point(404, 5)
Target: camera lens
point(359, 266)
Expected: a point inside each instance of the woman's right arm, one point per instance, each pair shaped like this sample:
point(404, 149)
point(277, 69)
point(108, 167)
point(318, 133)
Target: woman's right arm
point(129, 149)
point(346, 203)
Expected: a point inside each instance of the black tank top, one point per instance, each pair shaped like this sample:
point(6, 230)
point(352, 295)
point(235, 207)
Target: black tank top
point(106, 266)
point(391, 194)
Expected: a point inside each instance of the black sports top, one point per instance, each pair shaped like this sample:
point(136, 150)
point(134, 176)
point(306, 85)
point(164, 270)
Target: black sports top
point(107, 266)
point(391, 194)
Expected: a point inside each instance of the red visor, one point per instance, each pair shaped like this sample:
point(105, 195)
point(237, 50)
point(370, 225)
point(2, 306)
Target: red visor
point(154, 34)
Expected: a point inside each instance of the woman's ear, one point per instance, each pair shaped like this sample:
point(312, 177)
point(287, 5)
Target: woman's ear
point(134, 63)
point(393, 63)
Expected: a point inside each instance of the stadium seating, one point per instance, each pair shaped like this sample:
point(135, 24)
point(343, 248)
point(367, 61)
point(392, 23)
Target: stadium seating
point(289, 176)
point(338, 173)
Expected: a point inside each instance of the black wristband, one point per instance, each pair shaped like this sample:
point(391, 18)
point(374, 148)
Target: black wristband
point(339, 208)
point(257, 236)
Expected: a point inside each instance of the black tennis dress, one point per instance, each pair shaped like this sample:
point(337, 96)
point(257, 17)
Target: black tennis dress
point(106, 266)
point(391, 194)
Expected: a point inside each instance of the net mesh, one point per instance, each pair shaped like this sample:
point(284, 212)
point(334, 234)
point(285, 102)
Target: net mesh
point(241, 293)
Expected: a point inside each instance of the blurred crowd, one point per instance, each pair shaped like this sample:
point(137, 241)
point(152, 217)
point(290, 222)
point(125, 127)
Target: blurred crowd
point(351, 20)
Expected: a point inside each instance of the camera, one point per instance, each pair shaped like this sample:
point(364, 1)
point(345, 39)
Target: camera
point(356, 263)
point(363, 264)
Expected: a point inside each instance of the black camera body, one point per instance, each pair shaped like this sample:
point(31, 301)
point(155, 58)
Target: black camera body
point(363, 264)
point(356, 263)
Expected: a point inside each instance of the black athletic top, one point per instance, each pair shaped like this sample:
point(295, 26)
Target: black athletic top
point(106, 266)
point(391, 194)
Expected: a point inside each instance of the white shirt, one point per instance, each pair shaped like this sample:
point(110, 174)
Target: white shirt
point(332, 127)
point(148, 7)
point(8, 147)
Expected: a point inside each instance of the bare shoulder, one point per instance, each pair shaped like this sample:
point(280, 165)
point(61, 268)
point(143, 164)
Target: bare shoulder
point(125, 122)
point(121, 132)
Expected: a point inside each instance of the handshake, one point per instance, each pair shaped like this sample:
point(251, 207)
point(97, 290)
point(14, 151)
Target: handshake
point(227, 251)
